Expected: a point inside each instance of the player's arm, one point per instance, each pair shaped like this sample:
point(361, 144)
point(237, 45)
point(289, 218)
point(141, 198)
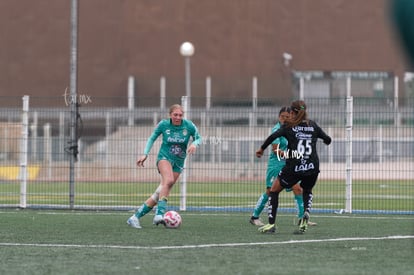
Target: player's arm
point(276, 144)
point(322, 135)
point(196, 140)
point(150, 142)
point(268, 141)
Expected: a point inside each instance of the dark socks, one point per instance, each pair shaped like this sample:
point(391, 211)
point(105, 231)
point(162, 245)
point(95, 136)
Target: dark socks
point(273, 205)
point(307, 199)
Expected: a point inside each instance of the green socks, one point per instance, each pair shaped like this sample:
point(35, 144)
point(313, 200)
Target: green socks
point(261, 202)
point(143, 210)
point(162, 206)
point(299, 205)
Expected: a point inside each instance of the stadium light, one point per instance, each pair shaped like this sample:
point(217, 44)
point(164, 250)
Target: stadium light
point(287, 58)
point(187, 50)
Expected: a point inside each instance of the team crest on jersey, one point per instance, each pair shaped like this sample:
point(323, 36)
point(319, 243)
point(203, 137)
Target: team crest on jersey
point(167, 131)
point(185, 132)
point(175, 150)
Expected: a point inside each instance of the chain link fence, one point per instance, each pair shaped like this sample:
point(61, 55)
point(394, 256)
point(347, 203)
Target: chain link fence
point(223, 175)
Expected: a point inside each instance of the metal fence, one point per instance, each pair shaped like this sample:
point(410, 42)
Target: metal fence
point(223, 175)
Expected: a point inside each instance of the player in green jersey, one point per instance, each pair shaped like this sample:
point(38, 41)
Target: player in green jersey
point(274, 165)
point(176, 134)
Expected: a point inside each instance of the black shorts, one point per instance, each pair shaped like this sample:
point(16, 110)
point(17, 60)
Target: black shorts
point(287, 180)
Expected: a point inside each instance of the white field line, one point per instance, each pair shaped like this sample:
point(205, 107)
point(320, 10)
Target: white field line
point(203, 245)
point(126, 213)
point(210, 245)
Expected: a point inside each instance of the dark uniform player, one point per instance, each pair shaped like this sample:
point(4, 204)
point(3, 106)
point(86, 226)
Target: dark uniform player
point(302, 162)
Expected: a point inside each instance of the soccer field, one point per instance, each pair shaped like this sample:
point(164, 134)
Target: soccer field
point(368, 196)
point(86, 242)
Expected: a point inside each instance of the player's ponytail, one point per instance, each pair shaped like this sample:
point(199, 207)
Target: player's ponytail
point(299, 108)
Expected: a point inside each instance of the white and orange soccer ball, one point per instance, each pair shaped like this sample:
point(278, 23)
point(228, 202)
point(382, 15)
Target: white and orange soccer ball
point(172, 219)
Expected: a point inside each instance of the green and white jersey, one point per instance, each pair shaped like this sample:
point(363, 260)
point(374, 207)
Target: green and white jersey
point(175, 139)
point(274, 160)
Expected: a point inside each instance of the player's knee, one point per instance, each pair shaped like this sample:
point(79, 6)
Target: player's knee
point(276, 189)
point(168, 182)
point(297, 190)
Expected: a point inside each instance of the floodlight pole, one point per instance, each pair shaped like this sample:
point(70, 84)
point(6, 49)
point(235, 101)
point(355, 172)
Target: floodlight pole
point(73, 146)
point(187, 50)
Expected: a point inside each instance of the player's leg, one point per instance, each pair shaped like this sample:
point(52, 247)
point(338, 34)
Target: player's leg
point(146, 207)
point(168, 179)
point(149, 204)
point(307, 184)
point(260, 204)
point(297, 195)
point(272, 207)
point(271, 175)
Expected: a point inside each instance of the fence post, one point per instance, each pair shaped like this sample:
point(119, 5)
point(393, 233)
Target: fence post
point(73, 98)
point(348, 169)
point(208, 93)
point(208, 100)
point(33, 131)
point(162, 93)
point(23, 152)
point(348, 87)
point(302, 88)
point(61, 134)
point(155, 119)
point(252, 121)
point(397, 117)
point(183, 185)
point(131, 100)
point(330, 148)
point(252, 131)
point(380, 144)
point(47, 148)
point(108, 153)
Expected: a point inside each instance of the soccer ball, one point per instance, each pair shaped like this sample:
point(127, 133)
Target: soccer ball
point(172, 219)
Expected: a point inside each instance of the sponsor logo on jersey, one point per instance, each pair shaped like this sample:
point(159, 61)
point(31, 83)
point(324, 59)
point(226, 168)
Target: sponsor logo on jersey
point(303, 128)
point(176, 139)
point(304, 167)
point(300, 135)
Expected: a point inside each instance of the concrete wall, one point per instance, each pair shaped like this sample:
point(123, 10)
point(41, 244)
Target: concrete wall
point(234, 41)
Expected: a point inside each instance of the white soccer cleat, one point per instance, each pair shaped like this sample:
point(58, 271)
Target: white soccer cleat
point(158, 219)
point(134, 222)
